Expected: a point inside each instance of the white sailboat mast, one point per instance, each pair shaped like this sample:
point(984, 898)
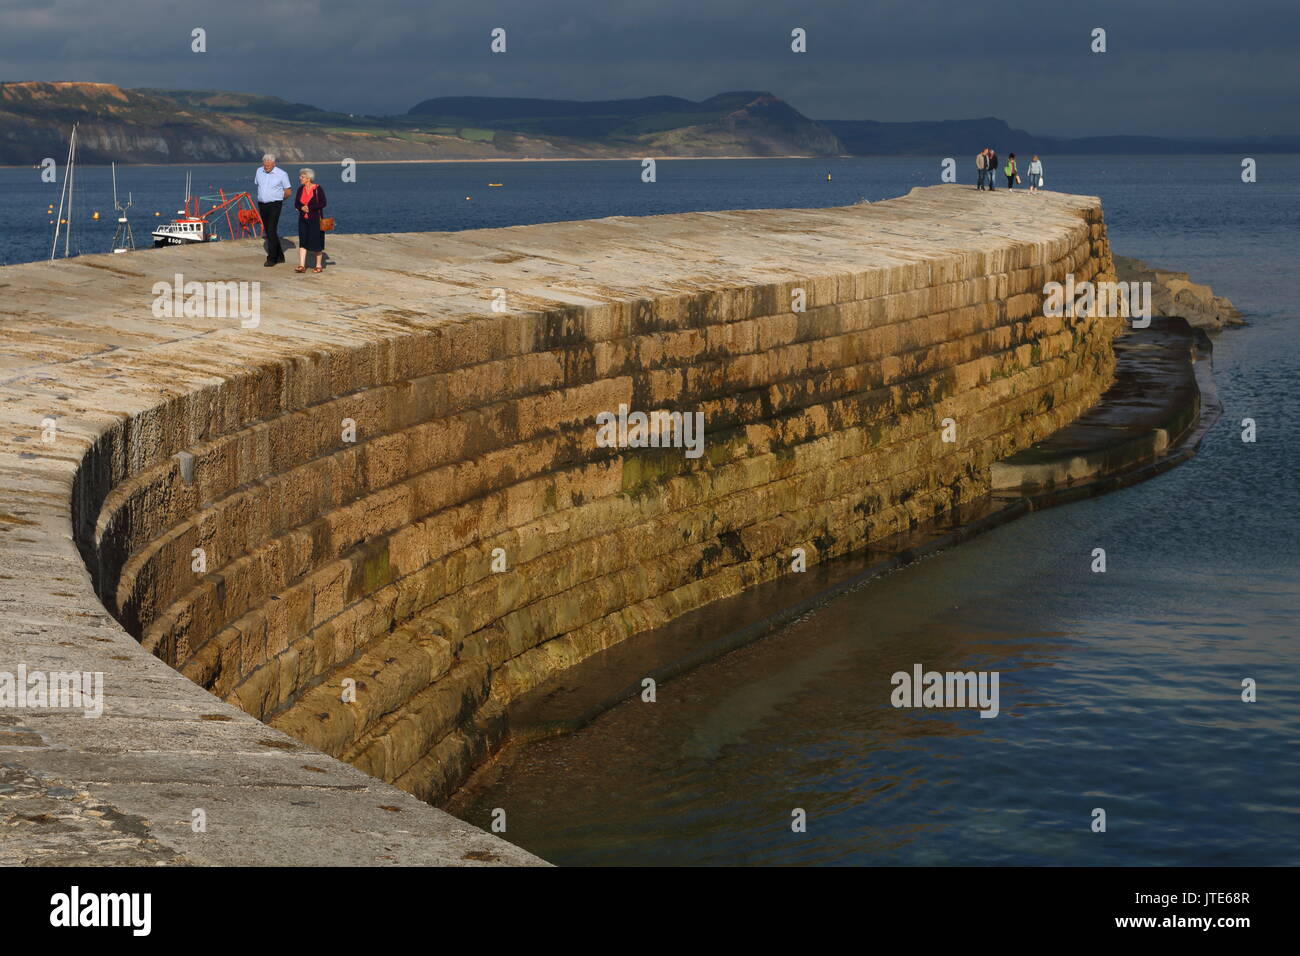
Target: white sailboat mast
point(72, 175)
point(65, 193)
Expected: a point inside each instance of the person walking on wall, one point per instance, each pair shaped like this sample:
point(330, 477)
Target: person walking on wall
point(272, 190)
point(993, 168)
point(309, 200)
point(982, 166)
point(1035, 175)
point(1010, 170)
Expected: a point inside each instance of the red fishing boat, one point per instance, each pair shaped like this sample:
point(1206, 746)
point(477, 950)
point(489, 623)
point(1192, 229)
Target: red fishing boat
point(193, 224)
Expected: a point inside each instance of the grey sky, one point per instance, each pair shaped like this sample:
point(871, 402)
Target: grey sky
point(1173, 67)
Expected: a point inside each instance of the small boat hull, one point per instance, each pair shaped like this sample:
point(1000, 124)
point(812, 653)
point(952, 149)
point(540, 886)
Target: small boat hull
point(160, 241)
point(181, 232)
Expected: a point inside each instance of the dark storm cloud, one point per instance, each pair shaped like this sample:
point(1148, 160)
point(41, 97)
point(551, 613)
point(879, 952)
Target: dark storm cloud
point(1194, 67)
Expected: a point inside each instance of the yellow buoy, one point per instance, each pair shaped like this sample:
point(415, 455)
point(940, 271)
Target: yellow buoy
point(467, 199)
point(157, 214)
point(828, 177)
point(95, 216)
point(494, 184)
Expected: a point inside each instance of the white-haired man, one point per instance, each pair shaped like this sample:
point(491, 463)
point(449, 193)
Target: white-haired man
point(272, 190)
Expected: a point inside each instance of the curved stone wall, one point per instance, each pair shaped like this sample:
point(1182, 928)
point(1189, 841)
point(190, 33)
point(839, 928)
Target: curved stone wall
point(348, 470)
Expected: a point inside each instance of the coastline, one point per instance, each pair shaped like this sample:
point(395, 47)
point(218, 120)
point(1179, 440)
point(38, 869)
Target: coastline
point(418, 162)
point(623, 159)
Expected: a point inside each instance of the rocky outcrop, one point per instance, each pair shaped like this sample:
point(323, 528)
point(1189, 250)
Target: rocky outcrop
point(1175, 295)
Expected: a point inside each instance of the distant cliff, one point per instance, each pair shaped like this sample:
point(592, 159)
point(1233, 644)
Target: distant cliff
point(159, 126)
point(176, 126)
point(729, 124)
point(187, 126)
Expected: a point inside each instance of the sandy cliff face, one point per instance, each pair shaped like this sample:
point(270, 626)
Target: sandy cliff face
point(136, 127)
point(159, 126)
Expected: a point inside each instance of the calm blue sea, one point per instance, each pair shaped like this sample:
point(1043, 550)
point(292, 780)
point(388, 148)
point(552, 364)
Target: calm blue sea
point(1119, 690)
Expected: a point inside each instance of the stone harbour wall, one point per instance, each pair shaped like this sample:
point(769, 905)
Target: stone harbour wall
point(381, 515)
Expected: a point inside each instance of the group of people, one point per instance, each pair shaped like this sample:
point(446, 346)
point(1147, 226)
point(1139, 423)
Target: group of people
point(309, 199)
point(986, 164)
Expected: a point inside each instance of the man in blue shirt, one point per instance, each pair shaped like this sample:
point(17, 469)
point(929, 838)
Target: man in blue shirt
point(272, 190)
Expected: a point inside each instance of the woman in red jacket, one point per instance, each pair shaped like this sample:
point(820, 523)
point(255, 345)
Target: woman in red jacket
point(309, 200)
